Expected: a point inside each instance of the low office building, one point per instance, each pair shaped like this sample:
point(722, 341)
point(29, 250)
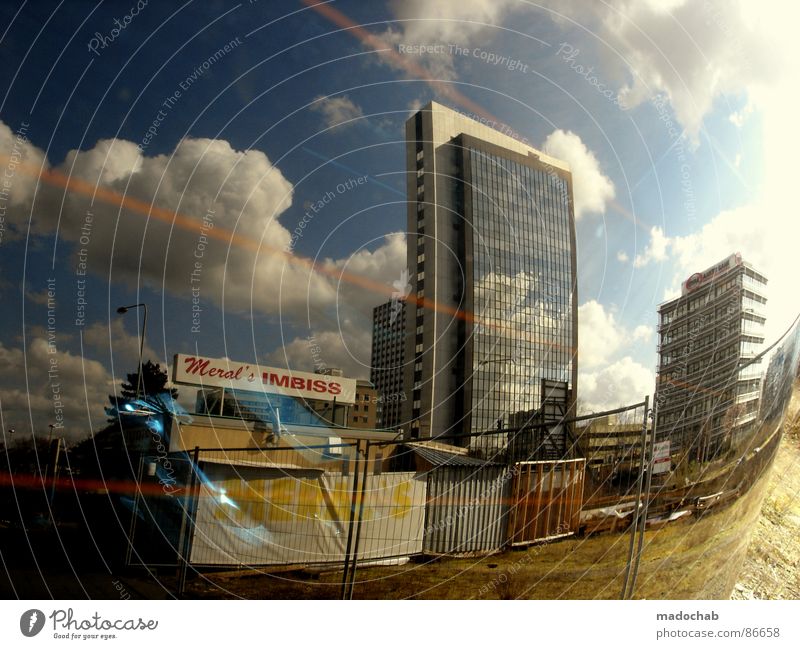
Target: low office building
point(267, 394)
point(363, 413)
point(709, 383)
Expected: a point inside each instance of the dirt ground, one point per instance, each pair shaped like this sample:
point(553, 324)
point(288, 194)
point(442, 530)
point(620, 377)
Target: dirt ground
point(771, 567)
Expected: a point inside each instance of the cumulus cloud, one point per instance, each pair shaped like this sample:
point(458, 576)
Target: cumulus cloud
point(21, 162)
point(346, 341)
point(693, 52)
point(619, 384)
point(163, 234)
point(759, 232)
point(643, 333)
point(463, 23)
point(348, 349)
point(592, 189)
point(601, 335)
point(214, 190)
point(110, 339)
point(656, 249)
point(608, 377)
point(62, 389)
point(622, 257)
point(337, 111)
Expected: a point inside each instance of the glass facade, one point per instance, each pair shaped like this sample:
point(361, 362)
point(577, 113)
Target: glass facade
point(522, 268)
point(492, 264)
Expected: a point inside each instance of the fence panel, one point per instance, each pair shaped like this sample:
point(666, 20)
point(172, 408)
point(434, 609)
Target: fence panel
point(546, 500)
point(158, 511)
point(269, 516)
point(467, 509)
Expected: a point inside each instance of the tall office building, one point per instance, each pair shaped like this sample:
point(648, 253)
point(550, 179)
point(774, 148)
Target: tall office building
point(388, 341)
point(708, 388)
point(491, 253)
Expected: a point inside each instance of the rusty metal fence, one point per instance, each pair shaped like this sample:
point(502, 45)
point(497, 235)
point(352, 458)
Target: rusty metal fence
point(546, 500)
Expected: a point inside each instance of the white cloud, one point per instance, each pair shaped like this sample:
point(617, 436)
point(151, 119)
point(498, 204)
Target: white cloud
point(693, 53)
point(739, 117)
point(643, 333)
point(337, 111)
point(19, 184)
point(656, 249)
point(215, 190)
point(622, 257)
point(79, 387)
point(619, 384)
point(347, 342)
point(347, 349)
point(760, 233)
point(105, 339)
point(600, 335)
point(592, 189)
point(421, 22)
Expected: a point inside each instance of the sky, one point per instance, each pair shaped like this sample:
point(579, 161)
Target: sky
point(239, 168)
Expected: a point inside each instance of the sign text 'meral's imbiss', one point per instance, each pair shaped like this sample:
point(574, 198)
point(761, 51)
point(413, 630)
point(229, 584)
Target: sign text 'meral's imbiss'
point(204, 371)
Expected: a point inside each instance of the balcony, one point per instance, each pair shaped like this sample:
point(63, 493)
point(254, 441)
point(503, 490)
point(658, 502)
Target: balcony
point(746, 418)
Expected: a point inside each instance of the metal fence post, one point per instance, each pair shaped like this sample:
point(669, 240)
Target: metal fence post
point(187, 524)
point(648, 484)
point(354, 562)
point(635, 517)
point(132, 526)
point(345, 573)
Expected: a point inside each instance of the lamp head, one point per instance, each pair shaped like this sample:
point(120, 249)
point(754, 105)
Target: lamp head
point(122, 309)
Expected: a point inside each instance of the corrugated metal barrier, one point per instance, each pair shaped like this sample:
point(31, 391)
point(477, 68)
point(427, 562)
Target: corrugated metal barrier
point(467, 509)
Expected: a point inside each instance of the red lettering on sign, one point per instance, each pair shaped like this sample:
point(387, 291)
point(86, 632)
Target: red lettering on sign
point(320, 386)
point(334, 388)
point(298, 383)
point(195, 365)
point(276, 379)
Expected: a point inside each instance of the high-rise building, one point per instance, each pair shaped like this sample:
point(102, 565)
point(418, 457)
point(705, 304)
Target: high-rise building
point(491, 252)
point(708, 383)
point(388, 341)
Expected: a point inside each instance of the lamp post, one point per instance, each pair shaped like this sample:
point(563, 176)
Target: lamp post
point(124, 309)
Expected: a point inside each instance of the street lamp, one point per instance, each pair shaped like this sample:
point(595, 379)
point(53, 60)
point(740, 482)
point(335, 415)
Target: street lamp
point(124, 309)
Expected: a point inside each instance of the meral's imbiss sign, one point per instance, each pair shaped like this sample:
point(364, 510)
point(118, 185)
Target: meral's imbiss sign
point(223, 373)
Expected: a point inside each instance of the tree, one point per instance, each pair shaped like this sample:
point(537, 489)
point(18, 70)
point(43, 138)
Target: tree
point(154, 381)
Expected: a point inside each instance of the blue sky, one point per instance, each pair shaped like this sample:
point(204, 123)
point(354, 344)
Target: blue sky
point(260, 111)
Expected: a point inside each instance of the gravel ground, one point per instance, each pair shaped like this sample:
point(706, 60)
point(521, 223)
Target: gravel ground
point(772, 566)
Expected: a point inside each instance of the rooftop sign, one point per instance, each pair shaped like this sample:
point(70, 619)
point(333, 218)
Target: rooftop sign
point(224, 373)
point(698, 279)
